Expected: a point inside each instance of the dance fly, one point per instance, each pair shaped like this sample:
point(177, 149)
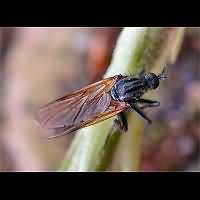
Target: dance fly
point(98, 102)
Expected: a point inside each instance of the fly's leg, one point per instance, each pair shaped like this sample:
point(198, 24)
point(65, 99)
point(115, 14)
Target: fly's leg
point(140, 112)
point(148, 103)
point(120, 124)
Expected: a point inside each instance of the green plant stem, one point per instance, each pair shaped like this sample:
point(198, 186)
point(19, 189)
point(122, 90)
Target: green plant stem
point(137, 48)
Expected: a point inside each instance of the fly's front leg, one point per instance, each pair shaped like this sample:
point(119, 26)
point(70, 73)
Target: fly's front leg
point(148, 103)
point(140, 112)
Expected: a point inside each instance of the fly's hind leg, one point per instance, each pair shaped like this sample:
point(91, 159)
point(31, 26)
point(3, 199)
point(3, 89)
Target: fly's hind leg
point(120, 124)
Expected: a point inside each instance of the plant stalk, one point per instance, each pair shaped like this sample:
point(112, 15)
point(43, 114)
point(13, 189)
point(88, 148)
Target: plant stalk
point(92, 148)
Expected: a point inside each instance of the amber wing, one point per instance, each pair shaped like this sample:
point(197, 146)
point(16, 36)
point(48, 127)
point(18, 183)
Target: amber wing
point(80, 109)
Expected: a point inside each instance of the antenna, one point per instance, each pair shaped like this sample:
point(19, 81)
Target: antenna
point(163, 74)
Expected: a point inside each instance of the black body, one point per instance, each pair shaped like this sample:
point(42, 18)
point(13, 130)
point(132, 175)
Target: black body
point(130, 89)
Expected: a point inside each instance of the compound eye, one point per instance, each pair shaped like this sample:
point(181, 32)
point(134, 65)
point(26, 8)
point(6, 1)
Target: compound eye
point(154, 83)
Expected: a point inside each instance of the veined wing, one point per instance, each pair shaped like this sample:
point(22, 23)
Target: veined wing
point(80, 109)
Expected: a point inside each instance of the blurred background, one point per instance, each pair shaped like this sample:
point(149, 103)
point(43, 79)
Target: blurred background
point(38, 65)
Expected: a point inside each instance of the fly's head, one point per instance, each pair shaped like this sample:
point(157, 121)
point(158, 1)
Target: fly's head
point(152, 80)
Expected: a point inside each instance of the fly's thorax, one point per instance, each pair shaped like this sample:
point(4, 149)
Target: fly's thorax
point(128, 89)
